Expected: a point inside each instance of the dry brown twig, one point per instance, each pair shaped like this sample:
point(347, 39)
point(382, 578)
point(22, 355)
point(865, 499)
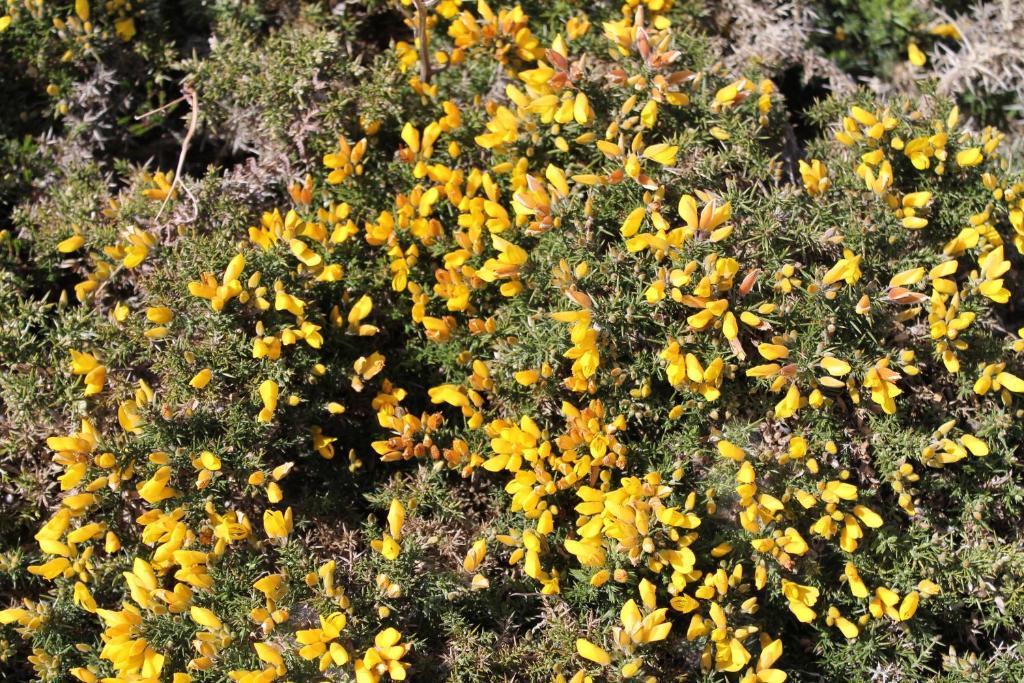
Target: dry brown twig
point(193, 98)
point(427, 69)
point(161, 108)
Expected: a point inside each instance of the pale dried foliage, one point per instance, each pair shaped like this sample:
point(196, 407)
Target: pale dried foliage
point(989, 58)
point(777, 35)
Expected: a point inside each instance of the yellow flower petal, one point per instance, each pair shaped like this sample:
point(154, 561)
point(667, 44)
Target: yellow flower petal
point(588, 650)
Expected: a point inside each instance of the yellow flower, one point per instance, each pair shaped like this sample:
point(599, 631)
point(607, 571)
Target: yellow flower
point(201, 379)
point(577, 26)
point(389, 546)
point(88, 365)
point(814, 176)
point(268, 394)
point(163, 182)
point(347, 161)
point(503, 129)
point(763, 672)
point(321, 642)
point(71, 244)
point(881, 380)
point(662, 153)
point(969, 157)
point(914, 54)
point(638, 629)
point(588, 650)
point(383, 658)
point(711, 217)
point(277, 525)
point(475, 556)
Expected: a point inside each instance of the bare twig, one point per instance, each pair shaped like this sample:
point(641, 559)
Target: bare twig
point(193, 98)
point(110, 278)
point(426, 68)
point(161, 108)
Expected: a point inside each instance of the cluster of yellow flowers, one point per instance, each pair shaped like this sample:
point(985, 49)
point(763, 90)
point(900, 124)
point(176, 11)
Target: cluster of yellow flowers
point(78, 25)
point(470, 220)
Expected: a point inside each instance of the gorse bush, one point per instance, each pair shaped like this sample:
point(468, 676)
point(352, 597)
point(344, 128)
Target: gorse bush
point(461, 342)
